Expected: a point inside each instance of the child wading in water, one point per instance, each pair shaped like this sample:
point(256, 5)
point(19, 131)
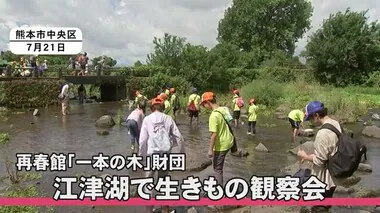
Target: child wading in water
point(252, 116)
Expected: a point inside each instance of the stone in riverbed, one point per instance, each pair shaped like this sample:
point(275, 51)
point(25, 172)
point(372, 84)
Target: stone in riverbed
point(280, 115)
point(308, 147)
point(306, 132)
point(192, 210)
point(240, 153)
point(36, 112)
point(197, 162)
point(261, 148)
point(102, 132)
point(344, 190)
point(106, 121)
point(367, 193)
point(351, 181)
point(365, 167)
point(376, 116)
point(371, 131)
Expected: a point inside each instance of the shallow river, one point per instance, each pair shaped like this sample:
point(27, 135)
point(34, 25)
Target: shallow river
point(50, 133)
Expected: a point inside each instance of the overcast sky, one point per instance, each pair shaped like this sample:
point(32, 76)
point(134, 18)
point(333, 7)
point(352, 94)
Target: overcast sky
point(124, 29)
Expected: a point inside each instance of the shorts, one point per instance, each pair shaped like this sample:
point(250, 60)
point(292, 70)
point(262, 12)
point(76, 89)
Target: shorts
point(193, 113)
point(295, 124)
point(236, 115)
point(83, 66)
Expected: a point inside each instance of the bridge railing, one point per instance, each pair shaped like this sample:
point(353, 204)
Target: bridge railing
point(57, 71)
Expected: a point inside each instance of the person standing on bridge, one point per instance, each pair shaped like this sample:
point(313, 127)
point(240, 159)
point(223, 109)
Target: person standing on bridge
point(83, 60)
point(65, 97)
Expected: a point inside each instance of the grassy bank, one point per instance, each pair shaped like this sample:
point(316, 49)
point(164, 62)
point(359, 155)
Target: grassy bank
point(347, 104)
point(29, 93)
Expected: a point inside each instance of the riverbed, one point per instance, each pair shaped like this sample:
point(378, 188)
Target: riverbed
point(76, 133)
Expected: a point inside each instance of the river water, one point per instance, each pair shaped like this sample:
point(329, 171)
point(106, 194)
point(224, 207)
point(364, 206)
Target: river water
point(50, 133)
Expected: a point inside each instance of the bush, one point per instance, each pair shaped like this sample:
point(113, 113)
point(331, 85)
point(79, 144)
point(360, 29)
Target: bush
point(266, 92)
point(151, 85)
point(30, 92)
point(284, 74)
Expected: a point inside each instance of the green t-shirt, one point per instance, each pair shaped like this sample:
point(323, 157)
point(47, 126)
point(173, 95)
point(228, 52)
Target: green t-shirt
point(234, 102)
point(252, 113)
point(296, 115)
point(217, 124)
point(196, 98)
point(168, 108)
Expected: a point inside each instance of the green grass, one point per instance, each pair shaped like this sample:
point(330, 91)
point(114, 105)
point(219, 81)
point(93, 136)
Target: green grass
point(4, 138)
point(347, 104)
point(29, 191)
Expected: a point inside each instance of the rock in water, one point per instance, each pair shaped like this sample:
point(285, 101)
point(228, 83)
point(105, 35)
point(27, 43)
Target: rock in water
point(363, 167)
point(306, 132)
point(351, 181)
point(371, 131)
point(102, 132)
point(36, 112)
point(240, 153)
point(261, 148)
point(197, 162)
point(376, 116)
point(344, 190)
point(308, 147)
point(106, 121)
point(192, 210)
point(367, 193)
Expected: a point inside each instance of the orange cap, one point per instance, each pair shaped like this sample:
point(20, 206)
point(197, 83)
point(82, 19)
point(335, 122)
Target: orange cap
point(157, 101)
point(252, 101)
point(172, 90)
point(163, 96)
point(207, 96)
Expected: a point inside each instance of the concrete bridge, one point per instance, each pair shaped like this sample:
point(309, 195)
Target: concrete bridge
point(112, 88)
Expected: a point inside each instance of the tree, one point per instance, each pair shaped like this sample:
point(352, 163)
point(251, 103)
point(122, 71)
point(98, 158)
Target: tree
point(138, 63)
point(167, 51)
point(108, 61)
point(345, 50)
point(266, 25)
point(194, 65)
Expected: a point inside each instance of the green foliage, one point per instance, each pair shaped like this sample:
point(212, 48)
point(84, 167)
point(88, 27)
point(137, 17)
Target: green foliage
point(266, 92)
point(29, 191)
point(30, 93)
point(108, 61)
point(373, 79)
point(265, 25)
point(345, 50)
point(167, 51)
point(283, 74)
point(4, 138)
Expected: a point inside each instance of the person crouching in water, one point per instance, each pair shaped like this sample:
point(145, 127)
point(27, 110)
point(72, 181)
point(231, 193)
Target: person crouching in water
point(168, 107)
point(134, 121)
point(252, 116)
point(159, 135)
point(295, 118)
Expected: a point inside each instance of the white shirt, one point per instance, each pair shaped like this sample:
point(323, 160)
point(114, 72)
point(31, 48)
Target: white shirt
point(65, 90)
